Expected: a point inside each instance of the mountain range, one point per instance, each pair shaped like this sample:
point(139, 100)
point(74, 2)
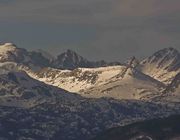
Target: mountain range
point(41, 59)
point(71, 98)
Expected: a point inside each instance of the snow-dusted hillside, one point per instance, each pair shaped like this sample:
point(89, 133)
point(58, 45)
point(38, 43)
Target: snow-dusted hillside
point(11, 53)
point(133, 85)
point(78, 79)
point(171, 93)
point(133, 80)
point(119, 82)
point(162, 65)
point(42, 104)
point(48, 112)
point(19, 90)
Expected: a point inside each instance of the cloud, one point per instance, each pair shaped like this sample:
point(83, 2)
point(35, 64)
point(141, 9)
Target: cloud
point(93, 9)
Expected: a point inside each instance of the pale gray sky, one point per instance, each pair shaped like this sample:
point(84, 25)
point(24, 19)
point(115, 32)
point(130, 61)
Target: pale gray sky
point(96, 29)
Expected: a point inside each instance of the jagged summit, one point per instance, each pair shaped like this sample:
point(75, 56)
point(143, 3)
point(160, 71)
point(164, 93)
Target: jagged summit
point(162, 65)
point(70, 60)
point(69, 51)
point(4, 47)
point(167, 59)
point(72, 55)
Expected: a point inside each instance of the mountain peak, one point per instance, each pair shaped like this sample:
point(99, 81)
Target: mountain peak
point(70, 54)
point(7, 47)
point(171, 49)
point(162, 65)
point(70, 60)
point(167, 51)
point(167, 59)
point(69, 51)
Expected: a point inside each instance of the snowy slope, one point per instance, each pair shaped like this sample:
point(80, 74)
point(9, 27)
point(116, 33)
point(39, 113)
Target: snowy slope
point(119, 82)
point(9, 52)
point(133, 85)
point(162, 65)
point(18, 89)
point(129, 81)
point(171, 93)
point(78, 79)
point(49, 112)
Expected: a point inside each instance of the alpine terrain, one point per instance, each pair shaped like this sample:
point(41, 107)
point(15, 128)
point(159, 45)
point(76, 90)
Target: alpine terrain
point(71, 98)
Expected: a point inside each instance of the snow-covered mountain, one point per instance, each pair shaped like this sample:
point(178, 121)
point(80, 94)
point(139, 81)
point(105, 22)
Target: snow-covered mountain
point(11, 53)
point(19, 90)
point(133, 85)
point(48, 112)
point(162, 65)
point(134, 80)
point(119, 82)
point(33, 110)
point(144, 80)
point(78, 79)
point(78, 103)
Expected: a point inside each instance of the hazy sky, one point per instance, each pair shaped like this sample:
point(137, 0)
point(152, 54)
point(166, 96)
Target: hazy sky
point(96, 29)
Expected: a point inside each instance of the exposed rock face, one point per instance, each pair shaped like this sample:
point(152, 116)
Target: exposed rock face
point(167, 59)
point(162, 65)
point(71, 60)
point(174, 85)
